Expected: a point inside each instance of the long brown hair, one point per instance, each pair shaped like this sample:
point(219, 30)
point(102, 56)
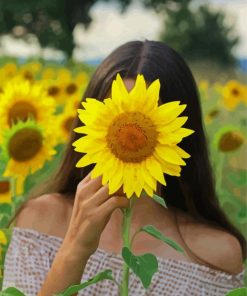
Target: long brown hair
point(194, 191)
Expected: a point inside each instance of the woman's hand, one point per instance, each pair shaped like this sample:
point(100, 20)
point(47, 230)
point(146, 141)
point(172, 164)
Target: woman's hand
point(91, 212)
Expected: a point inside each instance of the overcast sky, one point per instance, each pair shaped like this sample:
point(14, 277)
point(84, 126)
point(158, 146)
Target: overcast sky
point(110, 28)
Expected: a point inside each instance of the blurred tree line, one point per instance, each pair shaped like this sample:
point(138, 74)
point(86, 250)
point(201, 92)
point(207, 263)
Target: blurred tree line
point(195, 31)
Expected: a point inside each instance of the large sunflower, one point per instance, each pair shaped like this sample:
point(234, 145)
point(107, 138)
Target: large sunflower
point(20, 99)
point(131, 140)
point(26, 148)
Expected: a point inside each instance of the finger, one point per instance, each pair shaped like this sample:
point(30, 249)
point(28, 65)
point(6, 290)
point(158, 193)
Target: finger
point(119, 192)
point(100, 196)
point(87, 178)
point(112, 204)
point(91, 187)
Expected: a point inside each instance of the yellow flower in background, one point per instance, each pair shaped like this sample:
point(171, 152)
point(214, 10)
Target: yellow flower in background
point(54, 90)
point(5, 191)
point(21, 99)
point(34, 67)
point(62, 91)
point(3, 238)
point(203, 85)
point(26, 148)
point(10, 70)
point(131, 139)
point(65, 121)
point(212, 115)
point(234, 93)
point(63, 75)
point(81, 78)
point(48, 74)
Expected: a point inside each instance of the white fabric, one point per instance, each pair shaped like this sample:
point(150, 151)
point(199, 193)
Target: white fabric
point(31, 253)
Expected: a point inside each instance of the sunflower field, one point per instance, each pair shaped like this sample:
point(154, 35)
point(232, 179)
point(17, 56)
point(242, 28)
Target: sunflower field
point(38, 103)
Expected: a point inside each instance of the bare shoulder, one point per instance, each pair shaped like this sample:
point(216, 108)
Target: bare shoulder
point(47, 213)
point(218, 247)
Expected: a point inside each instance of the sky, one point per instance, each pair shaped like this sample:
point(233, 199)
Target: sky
point(110, 28)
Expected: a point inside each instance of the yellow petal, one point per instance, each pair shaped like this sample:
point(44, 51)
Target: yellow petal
point(94, 133)
point(174, 125)
point(168, 168)
point(175, 137)
point(108, 168)
point(97, 170)
point(137, 94)
point(152, 96)
point(127, 181)
point(84, 161)
point(169, 154)
point(149, 190)
point(116, 181)
point(181, 152)
point(155, 169)
point(147, 177)
point(119, 93)
point(138, 180)
point(89, 145)
point(167, 112)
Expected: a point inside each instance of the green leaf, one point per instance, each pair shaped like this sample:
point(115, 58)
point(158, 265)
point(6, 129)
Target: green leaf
point(159, 200)
point(11, 291)
point(4, 221)
point(143, 266)
point(150, 229)
point(5, 209)
point(238, 292)
point(104, 275)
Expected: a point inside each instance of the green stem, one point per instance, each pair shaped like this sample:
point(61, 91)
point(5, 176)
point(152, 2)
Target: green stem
point(219, 170)
point(133, 237)
point(124, 289)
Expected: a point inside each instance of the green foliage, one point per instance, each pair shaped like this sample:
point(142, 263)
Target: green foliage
point(150, 229)
point(104, 275)
point(11, 291)
point(238, 292)
point(238, 178)
point(199, 33)
point(143, 266)
point(159, 200)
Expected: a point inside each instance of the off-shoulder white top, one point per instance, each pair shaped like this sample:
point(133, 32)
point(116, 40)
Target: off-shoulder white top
point(31, 253)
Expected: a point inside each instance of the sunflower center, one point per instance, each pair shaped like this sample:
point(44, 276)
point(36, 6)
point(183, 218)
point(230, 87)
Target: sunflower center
point(132, 137)
point(235, 92)
point(28, 75)
point(68, 123)
point(4, 187)
point(25, 144)
point(53, 90)
point(71, 88)
point(21, 110)
point(230, 141)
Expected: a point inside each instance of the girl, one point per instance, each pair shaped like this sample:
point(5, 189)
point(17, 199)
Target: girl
point(72, 229)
